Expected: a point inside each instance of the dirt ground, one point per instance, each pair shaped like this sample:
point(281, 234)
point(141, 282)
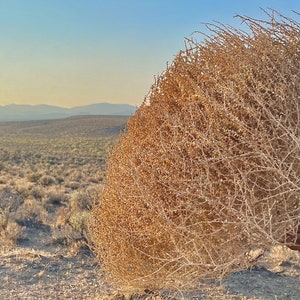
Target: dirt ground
point(37, 269)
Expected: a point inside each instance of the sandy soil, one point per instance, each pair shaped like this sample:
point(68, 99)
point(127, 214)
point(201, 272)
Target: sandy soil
point(37, 269)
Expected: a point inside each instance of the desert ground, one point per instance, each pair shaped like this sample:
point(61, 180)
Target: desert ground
point(51, 173)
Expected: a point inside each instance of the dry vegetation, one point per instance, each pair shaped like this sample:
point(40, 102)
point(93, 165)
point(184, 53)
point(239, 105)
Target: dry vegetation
point(43, 253)
point(204, 180)
point(51, 174)
point(208, 171)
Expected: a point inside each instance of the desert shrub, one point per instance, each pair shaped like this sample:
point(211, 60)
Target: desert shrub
point(10, 200)
point(78, 221)
point(74, 185)
point(70, 228)
point(76, 174)
point(3, 180)
point(209, 166)
point(84, 200)
point(33, 177)
point(37, 192)
point(4, 215)
point(32, 211)
point(10, 231)
point(60, 180)
point(23, 189)
point(65, 235)
point(55, 198)
point(62, 214)
point(79, 209)
point(11, 234)
point(46, 180)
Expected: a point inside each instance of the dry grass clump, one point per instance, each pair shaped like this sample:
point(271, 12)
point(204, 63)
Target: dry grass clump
point(209, 167)
point(10, 235)
point(71, 220)
point(46, 180)
point(4, 215)
point(80, 205)
point(10, 231)
point(34, 177)
point(31, 211)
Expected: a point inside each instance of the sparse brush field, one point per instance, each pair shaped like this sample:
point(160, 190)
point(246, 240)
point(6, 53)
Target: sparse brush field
point(51, 173)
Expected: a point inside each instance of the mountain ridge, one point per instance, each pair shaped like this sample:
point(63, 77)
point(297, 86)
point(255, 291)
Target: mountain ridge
point(27, 112)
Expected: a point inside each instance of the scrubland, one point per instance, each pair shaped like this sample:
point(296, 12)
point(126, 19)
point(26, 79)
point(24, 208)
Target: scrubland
point(200, 196)
point(50, 176)
point(51, 173)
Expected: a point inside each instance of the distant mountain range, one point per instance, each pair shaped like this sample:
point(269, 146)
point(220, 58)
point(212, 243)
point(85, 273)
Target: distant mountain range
point(15, 112)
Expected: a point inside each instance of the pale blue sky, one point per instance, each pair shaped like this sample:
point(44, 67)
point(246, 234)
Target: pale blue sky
point(77, 52)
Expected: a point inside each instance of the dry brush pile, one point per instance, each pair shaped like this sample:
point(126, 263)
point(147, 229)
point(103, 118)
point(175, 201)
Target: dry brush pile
point(209, 167)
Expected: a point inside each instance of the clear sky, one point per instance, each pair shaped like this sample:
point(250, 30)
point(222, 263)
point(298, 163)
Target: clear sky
point(78, 52)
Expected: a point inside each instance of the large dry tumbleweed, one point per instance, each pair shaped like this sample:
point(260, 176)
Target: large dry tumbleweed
point(209, 167)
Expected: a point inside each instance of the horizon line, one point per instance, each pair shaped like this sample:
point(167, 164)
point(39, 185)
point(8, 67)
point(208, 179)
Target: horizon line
point(45, 104)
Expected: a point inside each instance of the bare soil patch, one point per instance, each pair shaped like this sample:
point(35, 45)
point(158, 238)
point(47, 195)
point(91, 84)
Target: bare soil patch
point(37, 270)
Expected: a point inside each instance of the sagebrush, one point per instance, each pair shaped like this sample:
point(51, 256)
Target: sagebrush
point(209, 166)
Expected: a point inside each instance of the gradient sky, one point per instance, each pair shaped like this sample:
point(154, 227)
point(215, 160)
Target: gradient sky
point(78, 52)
